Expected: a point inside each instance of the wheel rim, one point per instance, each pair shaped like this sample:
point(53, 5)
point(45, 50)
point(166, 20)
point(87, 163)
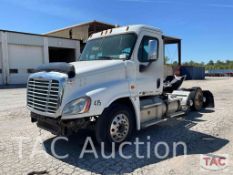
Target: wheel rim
point(198, 100)
point(119, 128)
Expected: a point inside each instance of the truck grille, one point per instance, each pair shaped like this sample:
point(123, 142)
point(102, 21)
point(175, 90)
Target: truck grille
point(43, 95)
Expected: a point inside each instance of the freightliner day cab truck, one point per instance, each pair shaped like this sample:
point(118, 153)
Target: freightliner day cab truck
point(116, 87)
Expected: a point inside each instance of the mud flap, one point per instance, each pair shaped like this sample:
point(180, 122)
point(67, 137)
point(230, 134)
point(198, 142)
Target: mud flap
point(209, 99)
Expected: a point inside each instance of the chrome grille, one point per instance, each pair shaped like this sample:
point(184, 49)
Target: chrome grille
point(43, 95)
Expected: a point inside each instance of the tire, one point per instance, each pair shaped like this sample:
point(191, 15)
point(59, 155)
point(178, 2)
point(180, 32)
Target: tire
point(197, 98)
point(115, 125)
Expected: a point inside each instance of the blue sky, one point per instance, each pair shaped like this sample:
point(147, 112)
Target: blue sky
point(206, 26)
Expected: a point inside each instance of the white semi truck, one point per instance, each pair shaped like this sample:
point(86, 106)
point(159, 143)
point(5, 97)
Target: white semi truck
point(116, 87)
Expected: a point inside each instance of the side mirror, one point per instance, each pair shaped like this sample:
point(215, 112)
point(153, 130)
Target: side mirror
point(152, 50)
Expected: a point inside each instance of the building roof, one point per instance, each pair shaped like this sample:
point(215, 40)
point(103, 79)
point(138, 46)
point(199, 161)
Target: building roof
point(78, 25)
point(35, 34)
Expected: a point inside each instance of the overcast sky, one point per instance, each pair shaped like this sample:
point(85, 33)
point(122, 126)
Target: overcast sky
point(206, 26)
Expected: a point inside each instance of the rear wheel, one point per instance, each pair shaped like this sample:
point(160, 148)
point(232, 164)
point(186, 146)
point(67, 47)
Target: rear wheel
point(115, 125)
point(197, 98)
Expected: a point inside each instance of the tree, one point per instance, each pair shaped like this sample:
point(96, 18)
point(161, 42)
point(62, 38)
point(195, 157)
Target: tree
point(211, 63)
point(228, 64)
point(175, 63)
point(166, 60)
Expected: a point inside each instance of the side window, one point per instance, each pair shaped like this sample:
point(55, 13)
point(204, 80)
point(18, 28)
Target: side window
point(144, 49)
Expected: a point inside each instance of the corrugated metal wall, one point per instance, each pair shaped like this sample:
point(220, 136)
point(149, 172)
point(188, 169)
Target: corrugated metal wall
point(80, 32)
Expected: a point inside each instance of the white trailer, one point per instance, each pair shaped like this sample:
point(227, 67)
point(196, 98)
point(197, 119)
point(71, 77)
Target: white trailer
point(20, 53)
point(115, 88)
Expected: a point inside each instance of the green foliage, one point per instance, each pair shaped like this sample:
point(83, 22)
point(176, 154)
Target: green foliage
point(228, 64)
point(166, 60)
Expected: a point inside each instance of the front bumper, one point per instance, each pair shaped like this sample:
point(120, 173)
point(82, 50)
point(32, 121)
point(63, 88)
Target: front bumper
point(57, 126)
point(52, 125)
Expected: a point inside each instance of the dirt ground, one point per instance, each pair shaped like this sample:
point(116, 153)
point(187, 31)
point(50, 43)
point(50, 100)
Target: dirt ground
point(206, 132)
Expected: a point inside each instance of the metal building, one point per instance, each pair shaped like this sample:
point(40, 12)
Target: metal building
point(22, 52)
point(81, 31)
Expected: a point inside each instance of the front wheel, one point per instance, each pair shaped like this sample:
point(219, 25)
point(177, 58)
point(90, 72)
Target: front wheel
point(115, 125)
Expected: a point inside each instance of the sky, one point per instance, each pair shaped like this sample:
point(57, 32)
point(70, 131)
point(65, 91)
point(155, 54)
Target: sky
point(205, 26)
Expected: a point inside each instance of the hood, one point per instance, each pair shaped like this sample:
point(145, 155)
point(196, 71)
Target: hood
point(96, 65)
point(93, 75)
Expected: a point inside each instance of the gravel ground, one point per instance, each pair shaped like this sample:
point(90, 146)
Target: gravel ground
point(209, 131)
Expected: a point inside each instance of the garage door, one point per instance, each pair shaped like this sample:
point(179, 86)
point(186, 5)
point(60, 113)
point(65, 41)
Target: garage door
point(22, 59)
point(1, 76)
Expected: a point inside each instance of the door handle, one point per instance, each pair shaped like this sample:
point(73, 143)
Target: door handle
point(158, 83)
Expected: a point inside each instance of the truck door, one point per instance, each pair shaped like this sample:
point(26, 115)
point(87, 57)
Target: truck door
point(149, 80)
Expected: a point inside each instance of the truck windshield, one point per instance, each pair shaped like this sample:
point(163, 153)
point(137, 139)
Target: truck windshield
point(110, 47)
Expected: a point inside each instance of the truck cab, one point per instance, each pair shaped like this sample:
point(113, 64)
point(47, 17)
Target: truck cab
point(115, 88)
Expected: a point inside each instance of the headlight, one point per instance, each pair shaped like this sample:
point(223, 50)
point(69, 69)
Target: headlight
point(78, 106)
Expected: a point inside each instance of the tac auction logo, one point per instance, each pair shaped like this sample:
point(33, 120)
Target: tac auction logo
point(214, 162)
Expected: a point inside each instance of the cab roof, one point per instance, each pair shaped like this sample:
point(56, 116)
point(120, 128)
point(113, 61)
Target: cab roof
point(124, 29)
